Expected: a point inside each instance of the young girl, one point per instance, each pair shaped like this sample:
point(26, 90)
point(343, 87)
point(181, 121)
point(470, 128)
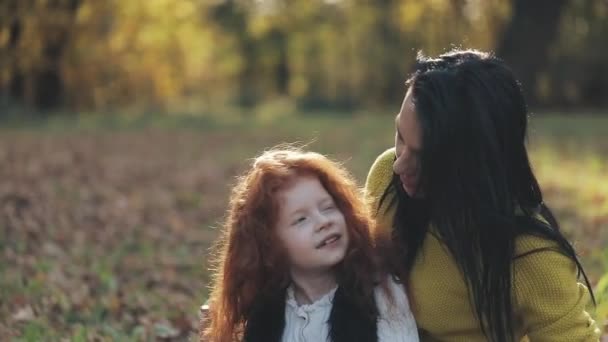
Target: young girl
point(296, 261)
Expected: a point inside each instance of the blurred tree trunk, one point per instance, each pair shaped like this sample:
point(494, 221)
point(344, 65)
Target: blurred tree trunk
point(393, 88)
point(233, 20)
point(34, 50)
point(47, 80)
point(278, 38)
point(527, 39)
point(15, 81)
point(11, 84)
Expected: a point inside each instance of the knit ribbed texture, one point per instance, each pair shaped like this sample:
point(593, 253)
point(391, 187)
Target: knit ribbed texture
point(549, 302)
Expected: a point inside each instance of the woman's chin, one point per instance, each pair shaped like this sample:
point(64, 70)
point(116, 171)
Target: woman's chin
point(410, 190)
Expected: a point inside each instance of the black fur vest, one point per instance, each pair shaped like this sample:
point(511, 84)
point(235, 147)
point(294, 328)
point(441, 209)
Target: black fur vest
point(347, 323)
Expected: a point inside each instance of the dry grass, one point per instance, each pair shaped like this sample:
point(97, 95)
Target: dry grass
point(104, 232)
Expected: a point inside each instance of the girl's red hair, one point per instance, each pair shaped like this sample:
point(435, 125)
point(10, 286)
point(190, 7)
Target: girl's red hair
point(251, 262)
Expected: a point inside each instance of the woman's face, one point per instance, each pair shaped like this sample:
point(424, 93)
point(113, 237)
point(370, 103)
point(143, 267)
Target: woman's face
point(408, 146)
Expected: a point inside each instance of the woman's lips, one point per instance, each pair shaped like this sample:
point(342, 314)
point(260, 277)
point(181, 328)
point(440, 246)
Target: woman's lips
point(408, 181)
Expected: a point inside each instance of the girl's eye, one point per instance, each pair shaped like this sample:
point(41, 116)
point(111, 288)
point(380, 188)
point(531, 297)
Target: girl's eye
point(329, 207)
point(298, 220)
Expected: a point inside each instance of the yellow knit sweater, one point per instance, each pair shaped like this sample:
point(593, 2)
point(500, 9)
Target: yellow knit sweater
point(548, 300)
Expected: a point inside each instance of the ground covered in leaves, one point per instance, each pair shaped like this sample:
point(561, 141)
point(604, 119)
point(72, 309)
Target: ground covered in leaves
point(105, 229)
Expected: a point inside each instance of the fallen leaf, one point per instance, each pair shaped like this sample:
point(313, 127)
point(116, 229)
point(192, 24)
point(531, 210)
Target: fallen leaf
point(24, 314)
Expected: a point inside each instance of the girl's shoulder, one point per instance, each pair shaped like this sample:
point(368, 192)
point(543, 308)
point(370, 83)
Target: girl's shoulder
point(390, 294)
point(396, 321)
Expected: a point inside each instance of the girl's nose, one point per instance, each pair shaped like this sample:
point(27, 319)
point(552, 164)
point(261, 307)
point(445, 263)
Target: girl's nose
point(323, 221)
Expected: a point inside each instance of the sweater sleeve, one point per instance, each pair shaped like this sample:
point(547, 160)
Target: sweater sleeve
point(549, 300)
point(378, 180)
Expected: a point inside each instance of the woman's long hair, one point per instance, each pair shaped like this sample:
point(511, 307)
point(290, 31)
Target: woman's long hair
point(251, 264)
point(479, 190)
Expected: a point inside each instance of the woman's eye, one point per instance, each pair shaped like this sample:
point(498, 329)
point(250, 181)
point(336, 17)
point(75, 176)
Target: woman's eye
point(398, 143)
point(399, 137)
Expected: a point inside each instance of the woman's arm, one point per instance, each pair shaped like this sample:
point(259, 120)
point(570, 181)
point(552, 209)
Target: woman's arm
point(549, 300)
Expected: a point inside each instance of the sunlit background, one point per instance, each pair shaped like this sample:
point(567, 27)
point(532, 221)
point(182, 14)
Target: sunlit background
point(123, 125)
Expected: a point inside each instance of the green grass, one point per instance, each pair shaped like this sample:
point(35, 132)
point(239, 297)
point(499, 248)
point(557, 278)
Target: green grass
point(107, 221)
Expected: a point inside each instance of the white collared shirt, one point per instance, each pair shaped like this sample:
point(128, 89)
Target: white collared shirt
point(309, 322)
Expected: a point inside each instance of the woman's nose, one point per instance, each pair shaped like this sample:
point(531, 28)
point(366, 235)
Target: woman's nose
point(400, 164)
point(406, 163)
point(397, 167)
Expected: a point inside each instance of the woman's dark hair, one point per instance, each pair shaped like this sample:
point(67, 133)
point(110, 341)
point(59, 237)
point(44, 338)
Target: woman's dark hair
point(480, 193)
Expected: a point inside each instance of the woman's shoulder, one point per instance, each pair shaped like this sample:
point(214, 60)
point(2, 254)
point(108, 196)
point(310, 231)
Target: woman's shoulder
point(537, 258)
point(380, 174)
point(540, 264)
point(383, 165)
point(528, 244)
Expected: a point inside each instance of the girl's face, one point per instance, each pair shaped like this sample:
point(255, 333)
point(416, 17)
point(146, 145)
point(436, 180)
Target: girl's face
point(311, 227)
point(408, 145)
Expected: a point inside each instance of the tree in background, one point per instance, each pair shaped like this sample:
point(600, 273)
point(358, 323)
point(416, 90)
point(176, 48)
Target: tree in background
point(526, 41)
point(192, 56)
point(38, 35)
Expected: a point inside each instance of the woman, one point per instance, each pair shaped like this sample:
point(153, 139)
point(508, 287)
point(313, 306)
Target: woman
point(458, 202)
